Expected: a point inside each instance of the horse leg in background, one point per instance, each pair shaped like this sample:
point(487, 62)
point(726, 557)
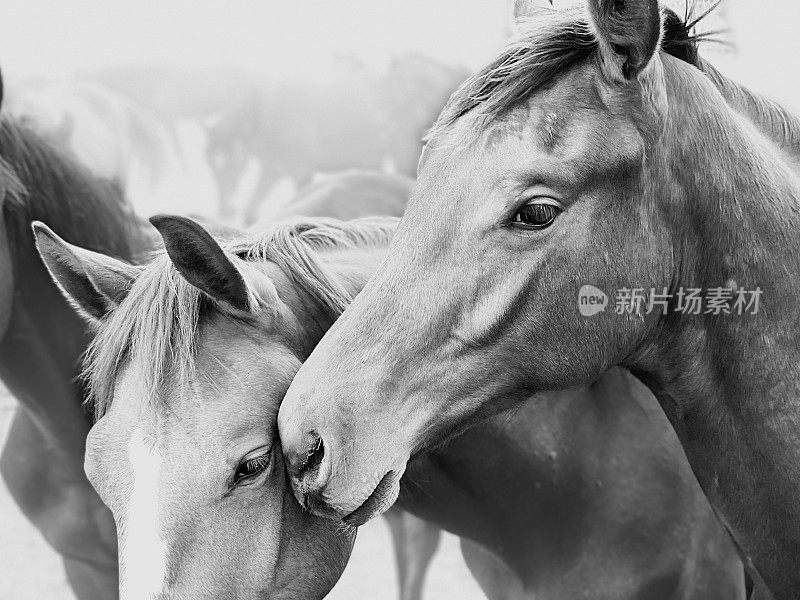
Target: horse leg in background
point(415, 543)
point(496, 580)
point(63, 507)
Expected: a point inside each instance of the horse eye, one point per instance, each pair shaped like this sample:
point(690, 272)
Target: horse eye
point(536, 215)
point(252, 466)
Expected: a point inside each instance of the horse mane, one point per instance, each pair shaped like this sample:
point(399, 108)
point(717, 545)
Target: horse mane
point(779, 124)
point(543, 49)
point(39, 182)
point(158, 322)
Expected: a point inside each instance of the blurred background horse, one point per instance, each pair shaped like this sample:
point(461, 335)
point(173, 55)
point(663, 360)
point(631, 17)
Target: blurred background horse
point(41, 343)
point(265, 130)
point(154, 162)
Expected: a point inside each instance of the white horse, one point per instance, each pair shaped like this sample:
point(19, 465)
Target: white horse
point(119, 140)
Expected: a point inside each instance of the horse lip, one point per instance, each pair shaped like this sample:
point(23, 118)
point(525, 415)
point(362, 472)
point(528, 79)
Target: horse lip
point(375, 503)
point(314, 504)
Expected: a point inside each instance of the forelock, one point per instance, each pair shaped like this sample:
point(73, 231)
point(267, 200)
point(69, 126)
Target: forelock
point(543, 49)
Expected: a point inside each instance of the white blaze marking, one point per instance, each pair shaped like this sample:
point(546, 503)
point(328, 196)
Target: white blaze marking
point(144, 552)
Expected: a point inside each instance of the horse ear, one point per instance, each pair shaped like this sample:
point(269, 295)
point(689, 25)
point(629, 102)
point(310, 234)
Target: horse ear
point(629, 33)
point(202, 262)
point(94, 283)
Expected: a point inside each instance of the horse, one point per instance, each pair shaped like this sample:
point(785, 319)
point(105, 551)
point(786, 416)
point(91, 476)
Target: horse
point(598, 154)
point(116, 139)
point(295, 129)
point(348, 195)
point(57, 497)
point(175, 93)
point(204, 98)
point(42, 462)
point(41, 344)
point(187, 373)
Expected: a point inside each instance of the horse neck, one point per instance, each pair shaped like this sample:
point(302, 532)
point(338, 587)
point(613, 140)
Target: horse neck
point(41, 350)
point(535, 463)
point(730, 385)
point(778, 124)
point(731, 204)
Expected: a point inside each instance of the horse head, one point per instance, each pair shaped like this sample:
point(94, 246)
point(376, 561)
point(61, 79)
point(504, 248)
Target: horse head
point(193, 354)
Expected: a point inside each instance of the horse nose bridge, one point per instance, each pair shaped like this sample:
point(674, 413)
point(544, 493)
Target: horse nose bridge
point(149, 573)
point(162, 563)
point(143, 574)
point(149, 526)
point(319, 398)
point(299, 418)
point(132, 593)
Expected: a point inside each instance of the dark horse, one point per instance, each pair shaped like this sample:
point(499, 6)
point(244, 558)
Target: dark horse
point(598, 154)
point(41, 347)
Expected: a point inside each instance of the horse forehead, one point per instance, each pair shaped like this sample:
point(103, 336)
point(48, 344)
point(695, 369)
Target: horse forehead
point(106, 460)
point(548, 140)
point(235, 361)
point(540, 123)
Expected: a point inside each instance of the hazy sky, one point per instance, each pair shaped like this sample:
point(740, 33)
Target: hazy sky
point(768, 47)
point(60, 36)
point(57, 37)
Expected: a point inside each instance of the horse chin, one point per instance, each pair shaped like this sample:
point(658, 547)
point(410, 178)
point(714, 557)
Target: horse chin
point(379, 501)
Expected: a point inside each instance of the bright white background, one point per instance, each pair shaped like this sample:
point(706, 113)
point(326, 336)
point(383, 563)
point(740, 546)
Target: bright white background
point(55, 38)
point(274, 36)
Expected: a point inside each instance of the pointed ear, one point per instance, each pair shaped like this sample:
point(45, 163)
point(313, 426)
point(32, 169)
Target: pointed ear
point(94, 283)
point(202, 262)
point(629, 33)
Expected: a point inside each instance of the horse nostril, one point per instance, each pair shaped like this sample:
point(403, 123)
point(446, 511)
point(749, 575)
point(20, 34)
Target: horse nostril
point(304, 465)
point(314, 457)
